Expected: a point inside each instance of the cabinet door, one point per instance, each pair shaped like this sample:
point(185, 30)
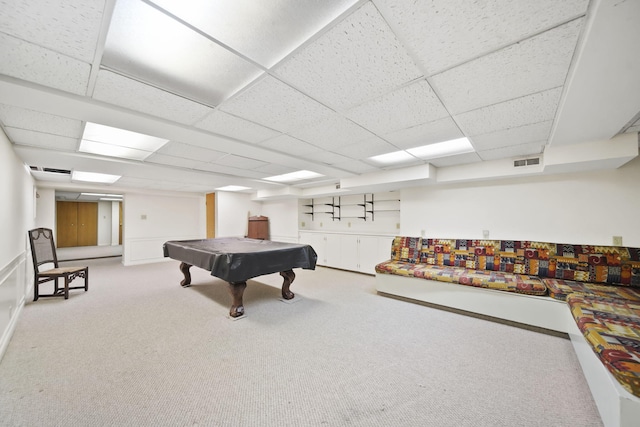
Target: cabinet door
point(368, 254)
point(318, 243)
point(348, 252)
point(87, 224)
point(332, 255)
point(66, 224)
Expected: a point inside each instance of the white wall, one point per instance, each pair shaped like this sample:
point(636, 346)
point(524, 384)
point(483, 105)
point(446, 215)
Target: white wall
point(283, 219)
point(104, 223)
point(150, 220)
point(588, 208)
point(232, 213)
point(46, 208)
point(17, 213)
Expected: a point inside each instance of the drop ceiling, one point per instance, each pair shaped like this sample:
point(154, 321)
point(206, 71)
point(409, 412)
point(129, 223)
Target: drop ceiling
point(245, 90)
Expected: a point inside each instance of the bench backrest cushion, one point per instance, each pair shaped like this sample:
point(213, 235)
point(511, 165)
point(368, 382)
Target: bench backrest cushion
point(406, 249)
point(584, 263)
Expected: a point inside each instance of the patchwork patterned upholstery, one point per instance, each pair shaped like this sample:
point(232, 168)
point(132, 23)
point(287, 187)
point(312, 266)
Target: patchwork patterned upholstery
point(560, 289)
point(406, 249)
point(596, 264)
point(612, 327)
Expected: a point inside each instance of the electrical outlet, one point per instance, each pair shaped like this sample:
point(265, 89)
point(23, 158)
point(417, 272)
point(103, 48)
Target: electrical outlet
point(349, 224)
point(398, 225)
point(422, 233)
point(617, 240)
point(302, 224)
point(321, 224)
point(485, 234)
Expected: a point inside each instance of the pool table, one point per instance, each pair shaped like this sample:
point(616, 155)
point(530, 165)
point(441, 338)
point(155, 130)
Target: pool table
point(235, 260)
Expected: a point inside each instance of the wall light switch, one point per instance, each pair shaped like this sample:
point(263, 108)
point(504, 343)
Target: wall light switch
point(617, 240)
point(143, 216)
point(485, 234)
point(302, 224)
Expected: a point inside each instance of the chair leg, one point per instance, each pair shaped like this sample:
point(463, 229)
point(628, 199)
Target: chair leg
point(86, 280)
point(66, 287)
point(36, 290)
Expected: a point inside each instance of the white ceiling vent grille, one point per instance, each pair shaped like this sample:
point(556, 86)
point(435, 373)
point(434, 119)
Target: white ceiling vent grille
point(526, 162)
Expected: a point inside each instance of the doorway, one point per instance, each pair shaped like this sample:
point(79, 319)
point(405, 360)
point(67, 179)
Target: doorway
point(211, 215)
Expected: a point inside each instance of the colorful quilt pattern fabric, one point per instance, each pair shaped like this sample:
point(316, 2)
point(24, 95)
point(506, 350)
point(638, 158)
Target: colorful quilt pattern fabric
point(612, 327)
point(559, 289)
point(496, 280)
point(406, 249)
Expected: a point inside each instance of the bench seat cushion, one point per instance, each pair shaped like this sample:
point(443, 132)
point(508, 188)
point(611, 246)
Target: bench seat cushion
point(559, 289)
point(612, 327)
point(496, 280)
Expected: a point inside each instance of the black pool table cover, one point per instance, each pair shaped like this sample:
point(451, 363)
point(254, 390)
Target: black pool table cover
point(235, 259)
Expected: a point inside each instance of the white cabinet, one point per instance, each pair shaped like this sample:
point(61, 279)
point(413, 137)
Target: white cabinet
point(318, 243)
point(352, 252)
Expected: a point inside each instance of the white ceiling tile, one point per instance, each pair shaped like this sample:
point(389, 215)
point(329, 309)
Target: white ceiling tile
point(330, 158)
point(165, 159)
point(290, 145)
point(22, 118)
point(364, 149)
point(70, 27)
point(517, 150)
point(41, 139)
point(234, 161)
point(118, 90)
point(355, 166)
point(533, 65)
point(273, 104)
point(459, 159)
point(36, 64)
point(512, 136)
point(271, 169)
point(186, 151)
point(229, 170)
point(334, 131)
point(427, 133)
point(444, 33)
point(539, 107)
point(362, 47)
point(408, 106)
point(264, 31)
point(148, 45)
point(225, 124)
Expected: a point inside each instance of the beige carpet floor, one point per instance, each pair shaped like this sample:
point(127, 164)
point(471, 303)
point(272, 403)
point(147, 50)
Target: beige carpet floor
point(139, 350)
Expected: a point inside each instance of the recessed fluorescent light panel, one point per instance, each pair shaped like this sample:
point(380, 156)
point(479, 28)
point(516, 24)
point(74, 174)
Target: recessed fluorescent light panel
point(114, 142)
point(102, 178)
point(294, 176)
point(442, 149)
point(426, 152)
point(233, 188)
point(391, 158)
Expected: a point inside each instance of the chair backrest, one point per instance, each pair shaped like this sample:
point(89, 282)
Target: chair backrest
point(43, 249)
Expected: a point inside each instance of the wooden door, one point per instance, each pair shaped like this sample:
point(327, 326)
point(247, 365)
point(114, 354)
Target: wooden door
point(66, 224)
point(87, 224)
point(120, 223)
point(211, 215)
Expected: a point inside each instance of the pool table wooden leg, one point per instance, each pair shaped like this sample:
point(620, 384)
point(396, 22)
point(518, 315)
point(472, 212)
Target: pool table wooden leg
point(289, 276)
point(237, 290)
point(184, 267)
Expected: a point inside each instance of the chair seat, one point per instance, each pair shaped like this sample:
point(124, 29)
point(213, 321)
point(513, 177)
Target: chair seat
point(61, 271)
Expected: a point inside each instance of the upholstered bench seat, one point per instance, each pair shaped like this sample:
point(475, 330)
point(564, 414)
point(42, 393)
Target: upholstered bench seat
point(560, 289)
point(612, 327)
point(497, 280)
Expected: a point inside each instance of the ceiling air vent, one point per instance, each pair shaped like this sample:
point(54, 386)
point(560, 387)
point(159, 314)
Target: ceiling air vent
point(53, 170)
point(526, 162)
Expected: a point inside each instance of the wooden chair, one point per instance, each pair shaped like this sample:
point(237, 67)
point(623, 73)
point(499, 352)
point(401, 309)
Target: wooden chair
point(43, 251)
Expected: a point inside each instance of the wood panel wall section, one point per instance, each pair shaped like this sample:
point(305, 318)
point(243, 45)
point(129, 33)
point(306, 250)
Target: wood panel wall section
point(76, 224)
